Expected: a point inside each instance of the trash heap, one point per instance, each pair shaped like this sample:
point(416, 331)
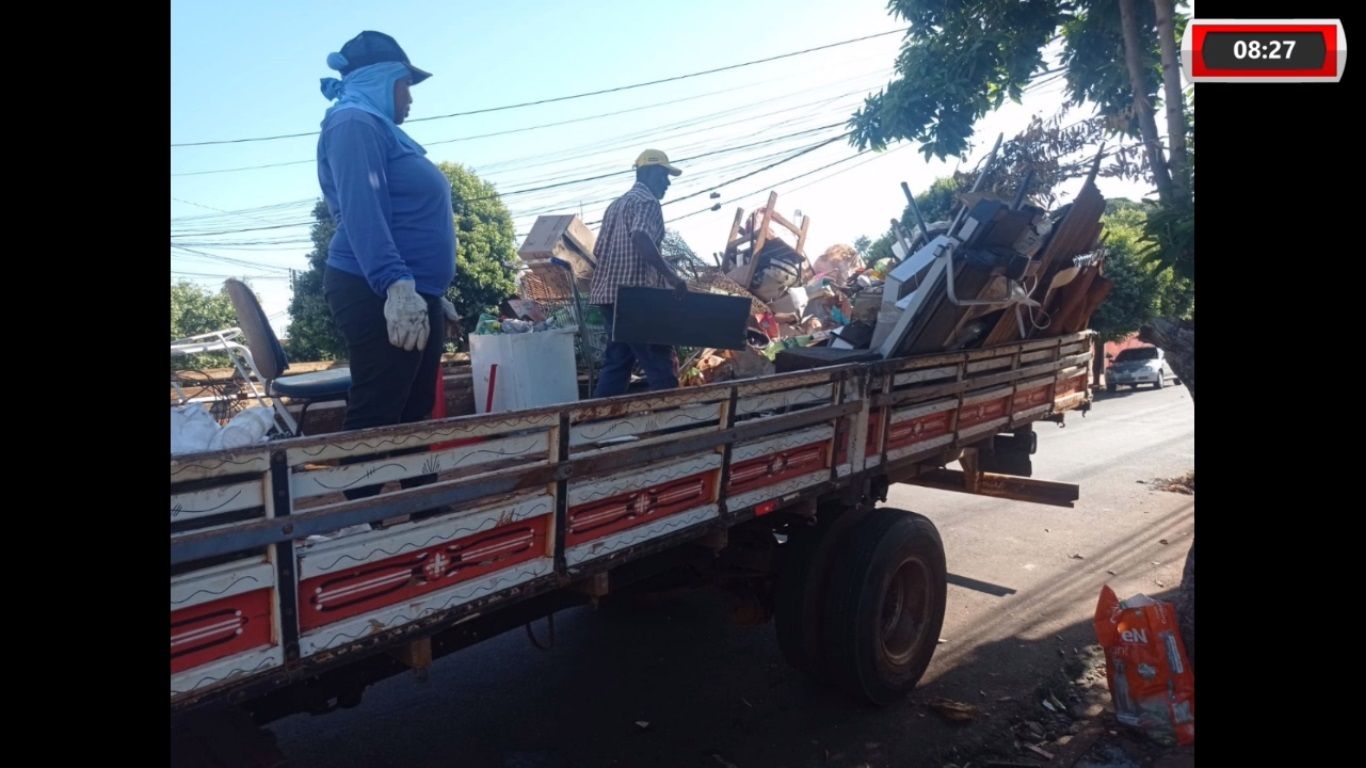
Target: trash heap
point(999, 271)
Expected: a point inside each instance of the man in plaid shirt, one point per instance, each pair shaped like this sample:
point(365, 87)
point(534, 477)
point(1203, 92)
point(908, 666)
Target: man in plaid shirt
point(628, 254)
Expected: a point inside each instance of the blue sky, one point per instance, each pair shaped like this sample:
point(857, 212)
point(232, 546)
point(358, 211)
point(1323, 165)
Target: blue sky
point(250, 69)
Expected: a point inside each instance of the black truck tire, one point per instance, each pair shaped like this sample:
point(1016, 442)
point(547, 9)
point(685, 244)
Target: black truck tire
point(798, 599)
point(884, 605)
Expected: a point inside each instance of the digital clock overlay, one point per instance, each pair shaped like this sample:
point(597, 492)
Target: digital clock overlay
point(1264, 51)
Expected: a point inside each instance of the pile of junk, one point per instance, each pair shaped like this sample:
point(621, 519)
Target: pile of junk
point(1000, 270)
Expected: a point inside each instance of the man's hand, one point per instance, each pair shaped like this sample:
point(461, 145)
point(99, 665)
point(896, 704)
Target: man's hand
point(406, 315)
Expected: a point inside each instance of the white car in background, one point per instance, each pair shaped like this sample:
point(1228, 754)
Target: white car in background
point(1138, 365)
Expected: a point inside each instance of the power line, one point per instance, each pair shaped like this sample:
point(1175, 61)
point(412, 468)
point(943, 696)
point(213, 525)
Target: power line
point(585, 94)
point(544, 187)
point(766, 186)
point(543, 159)
point(680, 160)
point(230, 259)
point(789, 158)
point(241, 212)
point(243, 277)
point(493, 134)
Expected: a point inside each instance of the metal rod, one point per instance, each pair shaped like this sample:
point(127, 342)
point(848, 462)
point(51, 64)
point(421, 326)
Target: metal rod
point(1020, 194)
point(976, 185)
point(915, 209)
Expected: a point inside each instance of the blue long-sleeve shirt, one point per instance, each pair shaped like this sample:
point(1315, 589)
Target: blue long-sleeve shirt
point(392, 206)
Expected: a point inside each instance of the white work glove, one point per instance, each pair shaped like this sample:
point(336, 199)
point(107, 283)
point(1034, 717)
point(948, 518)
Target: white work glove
point(406, 315)
point(452, 317)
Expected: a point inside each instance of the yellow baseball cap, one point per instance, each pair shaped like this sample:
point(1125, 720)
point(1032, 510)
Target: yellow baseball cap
point(655, 157)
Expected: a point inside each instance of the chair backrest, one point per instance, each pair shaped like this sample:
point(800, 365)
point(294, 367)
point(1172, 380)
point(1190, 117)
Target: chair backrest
point(265, 348)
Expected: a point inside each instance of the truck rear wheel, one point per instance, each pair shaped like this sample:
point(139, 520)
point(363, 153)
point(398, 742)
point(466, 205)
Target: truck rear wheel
point(884, 605)
point(799, 597)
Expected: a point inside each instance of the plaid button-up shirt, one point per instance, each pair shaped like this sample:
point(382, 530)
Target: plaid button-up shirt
point(618, 262)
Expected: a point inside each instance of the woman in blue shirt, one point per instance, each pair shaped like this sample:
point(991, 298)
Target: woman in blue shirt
point(393, 255)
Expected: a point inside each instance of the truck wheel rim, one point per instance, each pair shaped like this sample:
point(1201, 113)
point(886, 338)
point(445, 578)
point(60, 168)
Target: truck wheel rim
point(904, 609)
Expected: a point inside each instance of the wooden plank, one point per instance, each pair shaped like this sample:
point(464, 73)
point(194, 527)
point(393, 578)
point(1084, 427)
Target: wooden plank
point(930, 361)
point(219, 500)
point(990, 352)
point(210, 464)
point(363, 442)
point(925, 374)
point(741, 501)
point(225, 671)
point(696, 417)
point(656, 401)
point(732, 240)
point(762, 237)
point(907, 414)
point(924, 449)
point(585, 490)
point(986, 427)
point(782, 381)
point(596, 548)
point(220, 581)
point(781, 219)
point(1072, 297)
point(1100, 289)
point(770, 401)
point(991, 394)
point(990, 365)
point(782, 442)
point(1002, 486)
point(385, 469)
point(321, 558)
point(377, 622)
point(1071, 237)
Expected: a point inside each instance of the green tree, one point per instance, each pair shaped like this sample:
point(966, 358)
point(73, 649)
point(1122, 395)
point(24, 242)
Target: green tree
point(962, 60)
point(938, 202)
point(312, 334)
point(1137, 295)
point(484, 257)
point(862, 244)
point(881, 248)
point(196, 310)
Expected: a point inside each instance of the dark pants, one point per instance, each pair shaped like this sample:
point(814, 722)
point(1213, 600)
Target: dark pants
point(388, 385)
point(657, 360)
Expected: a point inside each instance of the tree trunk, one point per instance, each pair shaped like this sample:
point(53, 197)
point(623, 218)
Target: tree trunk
point(1147, 122)
point(1171, 81)
point(1177, 339)
point(1185, 604)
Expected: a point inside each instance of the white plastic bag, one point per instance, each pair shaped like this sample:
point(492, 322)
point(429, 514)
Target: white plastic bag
point(246, 428)
point(193, 428)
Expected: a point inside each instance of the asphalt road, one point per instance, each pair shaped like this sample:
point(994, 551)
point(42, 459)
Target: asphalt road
point(675, 684)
